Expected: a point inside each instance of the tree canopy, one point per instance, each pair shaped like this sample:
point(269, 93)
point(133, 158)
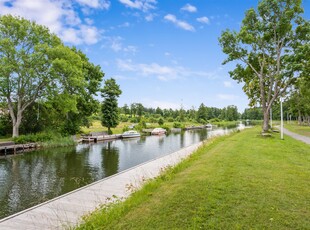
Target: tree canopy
point(109, 106)
point(36, 67)
point(265, 51)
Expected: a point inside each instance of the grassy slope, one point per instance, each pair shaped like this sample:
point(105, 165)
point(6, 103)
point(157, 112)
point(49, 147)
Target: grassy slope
point(236, 182)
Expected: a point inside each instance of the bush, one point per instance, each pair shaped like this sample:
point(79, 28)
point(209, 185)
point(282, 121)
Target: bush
point(134, 120)
point(170, 119)
point(166, 127)
point(124, 118)
point(215, 120)
point(177, 125)
point(39, 137)
point(126, 128)
point(161, 121)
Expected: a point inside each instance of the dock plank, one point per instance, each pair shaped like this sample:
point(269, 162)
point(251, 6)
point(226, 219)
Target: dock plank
point(67, 210)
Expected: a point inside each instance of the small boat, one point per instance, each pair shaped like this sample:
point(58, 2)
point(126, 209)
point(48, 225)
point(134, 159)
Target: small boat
point(209, 126)
point(158, 131)
point(130, 134)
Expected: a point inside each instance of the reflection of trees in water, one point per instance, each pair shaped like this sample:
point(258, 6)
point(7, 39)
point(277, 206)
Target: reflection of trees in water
point(203, 134)
point(38, 176)
point(182, 136)
point(110, 159)
point(161, 139)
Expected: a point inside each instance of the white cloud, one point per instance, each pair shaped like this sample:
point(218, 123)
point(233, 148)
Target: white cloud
point(144, 5)
point(59, 16)
point(228, 84)
point(189, 8)
point(131, 49)
point(102, 4)
point(89, 21)
point(126, 24)
point(204, 20)
point(150, 17)
point(227, 97)
point(116, 44)
point(182, 24)
point(162, 72)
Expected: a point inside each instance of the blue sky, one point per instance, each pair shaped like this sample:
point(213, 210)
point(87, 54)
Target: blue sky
point(161, 52)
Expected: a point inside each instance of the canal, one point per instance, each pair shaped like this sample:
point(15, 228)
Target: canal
point(35, 177)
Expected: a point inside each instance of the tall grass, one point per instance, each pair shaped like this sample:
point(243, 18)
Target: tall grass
point(45, 139)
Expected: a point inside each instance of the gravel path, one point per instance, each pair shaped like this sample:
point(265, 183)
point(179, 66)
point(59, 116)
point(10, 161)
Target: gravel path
point(297, 136)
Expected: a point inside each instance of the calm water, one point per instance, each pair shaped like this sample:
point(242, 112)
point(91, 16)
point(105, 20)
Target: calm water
point(30, 179)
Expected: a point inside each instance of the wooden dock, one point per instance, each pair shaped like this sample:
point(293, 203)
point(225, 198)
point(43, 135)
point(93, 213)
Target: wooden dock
point(66, 211)
point(97, 138)
point(195, 127)
point(7, 148)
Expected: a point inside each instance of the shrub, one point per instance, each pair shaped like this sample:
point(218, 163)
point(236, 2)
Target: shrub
point(215, 120)
point(177, 125)
point(160, 121)
point(39, 137)
point(126, 128)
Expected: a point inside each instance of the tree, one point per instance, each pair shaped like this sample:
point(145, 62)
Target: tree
point(88, 87)
point(264, 48)
point(36, 68)
point(201, 114)
point(109, 106)
point(25, 68)
point(232, 113)
point(126, 109)
point(140, 109)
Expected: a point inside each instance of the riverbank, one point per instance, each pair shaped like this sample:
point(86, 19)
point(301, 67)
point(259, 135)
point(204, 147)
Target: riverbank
point(239, 181)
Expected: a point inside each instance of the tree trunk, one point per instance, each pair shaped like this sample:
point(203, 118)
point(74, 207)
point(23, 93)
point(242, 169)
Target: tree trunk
point(15, 130)
point(16, 124)
point(266, 120)
point(299, 117)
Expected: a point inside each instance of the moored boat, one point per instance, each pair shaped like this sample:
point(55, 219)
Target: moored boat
point(158, 131)
point(130, 134)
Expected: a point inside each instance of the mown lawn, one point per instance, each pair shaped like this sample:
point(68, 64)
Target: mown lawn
point(242, 181)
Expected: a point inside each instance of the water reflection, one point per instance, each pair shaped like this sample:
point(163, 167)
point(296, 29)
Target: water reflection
point(29, 179)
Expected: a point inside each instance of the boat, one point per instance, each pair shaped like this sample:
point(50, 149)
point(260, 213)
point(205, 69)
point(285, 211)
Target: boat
point(209, 126)
point(130, 134)
point(158, 131)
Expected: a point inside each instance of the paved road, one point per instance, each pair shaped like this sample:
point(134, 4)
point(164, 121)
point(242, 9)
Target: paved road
point(297, 136)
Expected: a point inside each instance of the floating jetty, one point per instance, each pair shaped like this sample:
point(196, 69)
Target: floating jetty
point(195, 127)
point(7, 148)
point(99, 136)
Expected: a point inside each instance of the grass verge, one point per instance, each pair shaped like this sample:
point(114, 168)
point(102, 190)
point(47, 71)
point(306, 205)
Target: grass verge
point(242, 181)
point(300, 129)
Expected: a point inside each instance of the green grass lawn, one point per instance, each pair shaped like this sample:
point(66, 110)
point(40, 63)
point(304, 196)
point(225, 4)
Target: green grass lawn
point(97, 127)
point(300, 129)
point(242, 181)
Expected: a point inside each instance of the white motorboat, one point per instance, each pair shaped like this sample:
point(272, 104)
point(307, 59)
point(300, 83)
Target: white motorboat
point(130, 134)
point(158, 131)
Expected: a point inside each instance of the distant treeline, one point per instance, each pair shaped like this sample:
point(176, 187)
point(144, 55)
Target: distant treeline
point(202, 115)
